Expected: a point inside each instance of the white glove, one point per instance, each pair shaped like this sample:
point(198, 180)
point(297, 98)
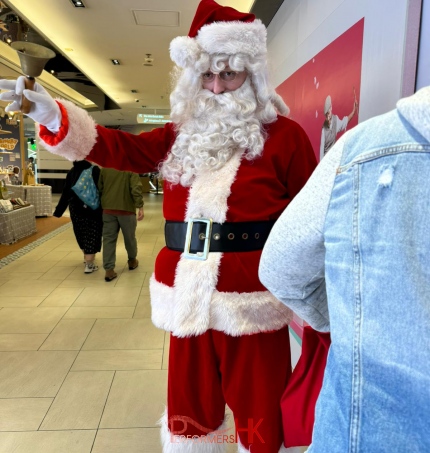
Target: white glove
point(44, 110)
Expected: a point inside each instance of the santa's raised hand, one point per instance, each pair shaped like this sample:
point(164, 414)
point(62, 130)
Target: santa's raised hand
point(44, 110)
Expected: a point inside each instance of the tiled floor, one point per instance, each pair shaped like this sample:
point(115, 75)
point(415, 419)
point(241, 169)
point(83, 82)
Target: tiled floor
point(82, 368)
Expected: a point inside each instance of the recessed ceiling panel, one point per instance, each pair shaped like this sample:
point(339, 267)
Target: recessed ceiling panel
point(156, 18)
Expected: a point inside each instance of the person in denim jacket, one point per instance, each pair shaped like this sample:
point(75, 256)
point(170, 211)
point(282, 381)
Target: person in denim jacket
point(352, 253)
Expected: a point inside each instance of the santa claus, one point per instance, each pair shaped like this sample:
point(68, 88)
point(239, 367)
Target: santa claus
point(231, 164)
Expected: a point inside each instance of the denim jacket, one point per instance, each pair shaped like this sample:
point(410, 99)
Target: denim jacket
point(352, 255)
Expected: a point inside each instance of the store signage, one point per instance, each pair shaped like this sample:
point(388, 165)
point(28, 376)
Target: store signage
point(153, 119)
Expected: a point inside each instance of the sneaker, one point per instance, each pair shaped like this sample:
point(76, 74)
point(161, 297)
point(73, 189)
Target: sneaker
point(90, 268)
point(132, 264)
point(110, 275)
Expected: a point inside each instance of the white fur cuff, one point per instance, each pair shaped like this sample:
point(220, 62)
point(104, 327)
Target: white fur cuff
point(81, 135)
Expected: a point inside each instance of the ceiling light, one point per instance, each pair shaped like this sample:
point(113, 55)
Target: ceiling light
point(78, 3)
point(115, 61)
point(148, 60)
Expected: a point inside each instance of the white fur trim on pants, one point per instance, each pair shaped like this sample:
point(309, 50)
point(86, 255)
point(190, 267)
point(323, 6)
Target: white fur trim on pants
point(202, 444)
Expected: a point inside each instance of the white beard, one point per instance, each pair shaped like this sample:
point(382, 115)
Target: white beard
point(211, 127)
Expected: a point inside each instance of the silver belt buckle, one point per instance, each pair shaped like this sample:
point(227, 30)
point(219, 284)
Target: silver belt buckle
point(202, 256)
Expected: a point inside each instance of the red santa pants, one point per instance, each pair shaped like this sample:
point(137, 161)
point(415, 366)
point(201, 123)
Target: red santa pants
point(249, 373)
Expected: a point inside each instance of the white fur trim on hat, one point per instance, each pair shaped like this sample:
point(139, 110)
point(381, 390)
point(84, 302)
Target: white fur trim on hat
point(234, 37)
point(229, 38)
point(184, 51)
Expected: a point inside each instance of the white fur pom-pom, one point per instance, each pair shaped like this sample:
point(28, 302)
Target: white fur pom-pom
point(184, 51)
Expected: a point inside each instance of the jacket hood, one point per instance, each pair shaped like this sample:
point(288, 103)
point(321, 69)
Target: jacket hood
point(416, 110)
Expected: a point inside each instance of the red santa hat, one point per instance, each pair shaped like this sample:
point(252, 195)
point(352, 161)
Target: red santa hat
point(219, 29)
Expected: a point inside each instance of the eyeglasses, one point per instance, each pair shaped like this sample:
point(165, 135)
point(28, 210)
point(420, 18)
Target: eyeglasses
point(225, 76)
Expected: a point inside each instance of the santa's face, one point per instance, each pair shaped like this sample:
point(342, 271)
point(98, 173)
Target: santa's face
point(224, 81)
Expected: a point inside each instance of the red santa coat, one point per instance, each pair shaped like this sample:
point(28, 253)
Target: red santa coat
point(223, 293)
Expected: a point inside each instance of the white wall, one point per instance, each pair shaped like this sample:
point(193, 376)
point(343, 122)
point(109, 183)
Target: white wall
point(423, 78)
point(303, 28)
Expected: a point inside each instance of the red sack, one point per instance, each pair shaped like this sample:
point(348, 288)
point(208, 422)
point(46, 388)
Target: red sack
point(300, 396)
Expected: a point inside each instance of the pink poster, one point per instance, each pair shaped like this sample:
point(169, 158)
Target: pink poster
point(326, 90)
point(326, 87)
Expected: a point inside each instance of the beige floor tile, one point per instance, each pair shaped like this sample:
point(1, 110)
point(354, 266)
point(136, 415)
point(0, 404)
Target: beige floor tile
point(131, 279)
point(23, 414)
point(36, 288)
point(75, 255)
point(61, 297)
point(32, 256)
point(139, 270)
point(108, 297)
point(68, 335)
point(79, 274)
point(99, 312)
point(97, 281)
point(57, 273)
point(66, 246)
point(19, 277)
point(21, 342)
point(124, 334)
point(80, 401)
point(147, 264)
point(166, 350)
point(30, 320)
point(47, 442)
point(34, 373)
point(144, 291)
point(144, 249)
point(148, 359)
point(33, 267)
point(157, 248)
point(147, 279)
point(20, 301)
point(143, 308)
point(54, 255)
point(136, 400)
point(138, 440)
point(148, 238)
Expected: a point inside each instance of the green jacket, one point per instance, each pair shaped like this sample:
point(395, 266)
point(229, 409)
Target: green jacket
point(121, 190)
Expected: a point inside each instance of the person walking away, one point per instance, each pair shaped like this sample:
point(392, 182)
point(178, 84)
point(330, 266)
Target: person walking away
point(87, 223)
point(121, 195)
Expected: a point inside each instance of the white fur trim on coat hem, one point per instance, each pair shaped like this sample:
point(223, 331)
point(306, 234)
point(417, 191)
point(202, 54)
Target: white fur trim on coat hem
point(232, 313)
point(202, 444)
point(81, 136)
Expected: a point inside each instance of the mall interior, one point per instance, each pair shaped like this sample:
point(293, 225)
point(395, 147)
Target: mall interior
point(82, 367)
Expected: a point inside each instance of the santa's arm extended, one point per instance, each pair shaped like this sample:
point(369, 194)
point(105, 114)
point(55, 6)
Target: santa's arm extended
point(69, 131)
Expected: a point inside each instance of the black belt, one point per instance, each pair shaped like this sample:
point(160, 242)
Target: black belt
point(226, 237)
